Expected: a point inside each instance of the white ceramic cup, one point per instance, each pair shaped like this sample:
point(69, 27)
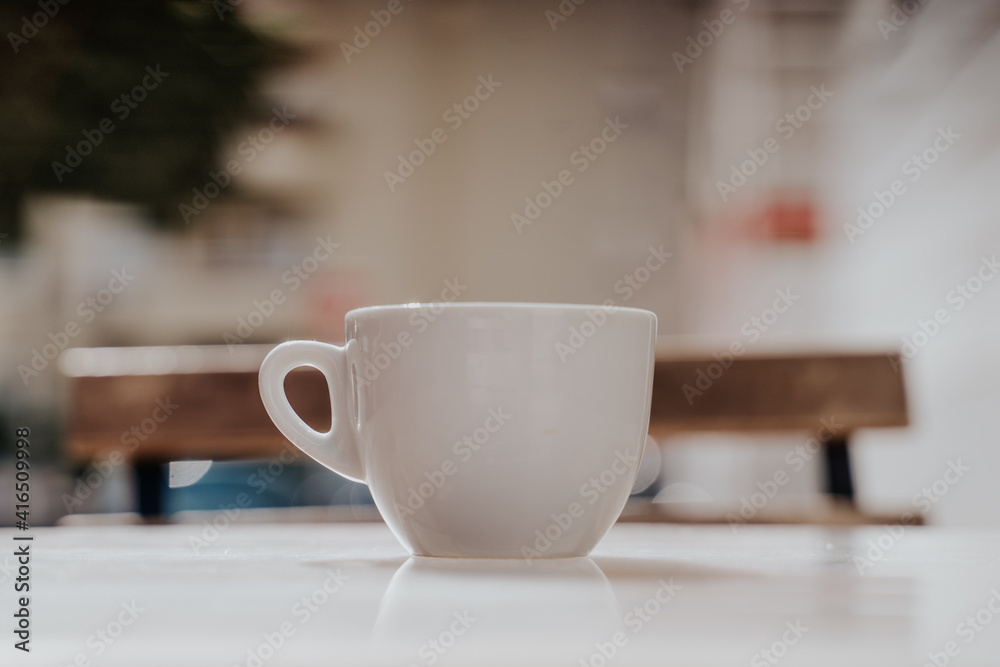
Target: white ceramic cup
point(488, 430)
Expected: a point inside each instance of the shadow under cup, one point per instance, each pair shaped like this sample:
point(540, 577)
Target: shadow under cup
point(499, 430)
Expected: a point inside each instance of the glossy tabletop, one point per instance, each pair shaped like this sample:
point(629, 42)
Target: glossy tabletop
point(346, 594)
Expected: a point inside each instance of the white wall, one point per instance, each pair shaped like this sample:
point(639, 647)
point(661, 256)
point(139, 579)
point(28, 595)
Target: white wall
point(938, 71)
point(890, 97)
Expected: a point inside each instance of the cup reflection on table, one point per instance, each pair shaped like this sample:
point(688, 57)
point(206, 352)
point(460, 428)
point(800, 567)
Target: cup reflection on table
point(437, 607)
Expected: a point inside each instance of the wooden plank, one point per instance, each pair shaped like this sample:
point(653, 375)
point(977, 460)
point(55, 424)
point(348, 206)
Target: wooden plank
point(217, 415)
point(777, 393)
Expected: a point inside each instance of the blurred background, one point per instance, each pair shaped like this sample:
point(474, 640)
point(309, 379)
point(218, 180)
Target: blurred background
point(184, 184)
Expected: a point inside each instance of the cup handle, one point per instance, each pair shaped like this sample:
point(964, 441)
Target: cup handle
point(337, 448)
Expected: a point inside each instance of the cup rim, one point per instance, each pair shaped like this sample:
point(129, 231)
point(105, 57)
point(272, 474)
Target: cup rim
point(497, 305)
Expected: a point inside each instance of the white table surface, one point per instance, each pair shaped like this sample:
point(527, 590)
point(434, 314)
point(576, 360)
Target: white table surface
point(737, 592)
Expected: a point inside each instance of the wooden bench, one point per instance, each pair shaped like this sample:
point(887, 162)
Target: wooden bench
point(702, 392)
point(219, 415)
point(117, 405)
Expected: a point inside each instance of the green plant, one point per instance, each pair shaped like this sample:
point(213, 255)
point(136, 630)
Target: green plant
point(62, 80)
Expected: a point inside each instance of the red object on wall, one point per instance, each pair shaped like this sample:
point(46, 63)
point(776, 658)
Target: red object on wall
point(783, 217)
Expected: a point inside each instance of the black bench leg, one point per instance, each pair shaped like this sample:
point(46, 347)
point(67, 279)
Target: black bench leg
point(150, 479)
point(837, 464)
